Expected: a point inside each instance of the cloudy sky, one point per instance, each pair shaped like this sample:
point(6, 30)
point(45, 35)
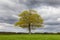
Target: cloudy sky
point(48, 9)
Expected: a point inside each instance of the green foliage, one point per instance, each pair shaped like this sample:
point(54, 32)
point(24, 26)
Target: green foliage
point(29, 17)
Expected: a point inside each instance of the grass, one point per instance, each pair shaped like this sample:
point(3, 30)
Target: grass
point(30, 37)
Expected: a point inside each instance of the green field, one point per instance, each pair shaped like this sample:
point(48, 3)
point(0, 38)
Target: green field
point(30, 37)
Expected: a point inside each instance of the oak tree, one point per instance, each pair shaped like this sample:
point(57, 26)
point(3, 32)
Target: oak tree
point(29, 19)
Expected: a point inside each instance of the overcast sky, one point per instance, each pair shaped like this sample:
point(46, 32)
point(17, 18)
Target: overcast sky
point(48, 9)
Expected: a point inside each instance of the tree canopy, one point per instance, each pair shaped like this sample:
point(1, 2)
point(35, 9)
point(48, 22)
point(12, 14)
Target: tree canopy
point(29, 18)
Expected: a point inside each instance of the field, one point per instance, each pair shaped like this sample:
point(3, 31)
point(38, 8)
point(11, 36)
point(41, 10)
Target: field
point(30, 37)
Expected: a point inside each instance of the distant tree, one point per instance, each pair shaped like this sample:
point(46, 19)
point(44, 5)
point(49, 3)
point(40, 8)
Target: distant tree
point(29, 19)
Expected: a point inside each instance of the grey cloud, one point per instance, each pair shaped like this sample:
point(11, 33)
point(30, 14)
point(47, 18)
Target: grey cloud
point(10, 28)
point(51, 22)
point(37, 3)
point(48, 28)
point(7, 11)
point(6, 15)
point(52, 28)
point(8, 19)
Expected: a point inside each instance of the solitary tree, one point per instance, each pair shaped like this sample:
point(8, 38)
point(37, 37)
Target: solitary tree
point(29, 19)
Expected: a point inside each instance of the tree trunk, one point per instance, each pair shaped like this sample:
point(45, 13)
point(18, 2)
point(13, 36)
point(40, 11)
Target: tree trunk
point(29, 23)
point(29, 29)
